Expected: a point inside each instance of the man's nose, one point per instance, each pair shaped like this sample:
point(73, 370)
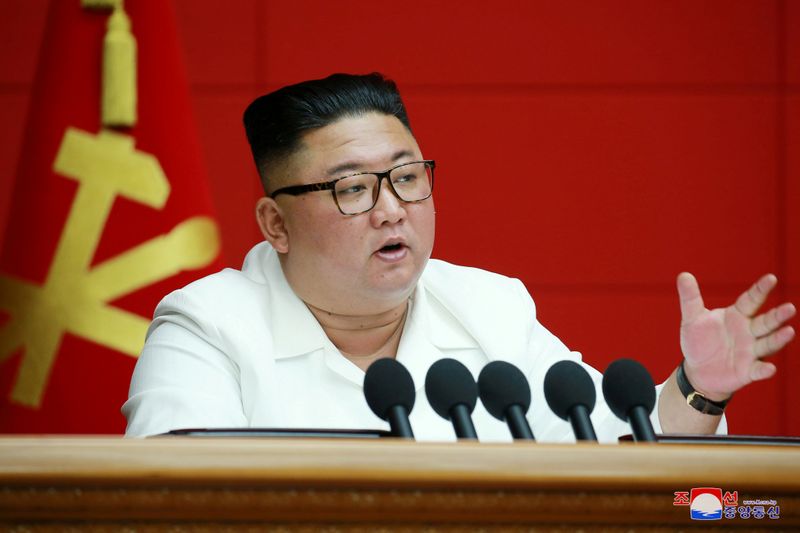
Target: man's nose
point(388, 208)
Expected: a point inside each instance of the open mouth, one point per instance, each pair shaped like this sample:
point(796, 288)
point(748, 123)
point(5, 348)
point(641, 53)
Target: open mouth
point(392, 252)
point(391, 247)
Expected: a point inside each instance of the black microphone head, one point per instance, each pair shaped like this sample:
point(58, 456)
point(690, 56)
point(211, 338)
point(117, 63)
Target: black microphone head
point(502, 385)
point(448, 384)
point(566, 385)
point(387, 383)
point(627, 384)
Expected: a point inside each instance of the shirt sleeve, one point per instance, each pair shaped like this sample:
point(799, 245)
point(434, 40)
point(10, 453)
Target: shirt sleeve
point(182, 378)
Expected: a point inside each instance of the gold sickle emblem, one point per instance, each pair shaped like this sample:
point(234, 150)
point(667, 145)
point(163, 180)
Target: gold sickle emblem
point(74, 298)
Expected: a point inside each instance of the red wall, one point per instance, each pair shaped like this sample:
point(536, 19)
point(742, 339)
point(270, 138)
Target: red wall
point(593, 149)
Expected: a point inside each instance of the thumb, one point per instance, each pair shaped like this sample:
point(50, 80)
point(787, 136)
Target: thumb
point(690, 298)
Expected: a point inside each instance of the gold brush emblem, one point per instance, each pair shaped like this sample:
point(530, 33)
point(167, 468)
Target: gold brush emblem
point(74, 298)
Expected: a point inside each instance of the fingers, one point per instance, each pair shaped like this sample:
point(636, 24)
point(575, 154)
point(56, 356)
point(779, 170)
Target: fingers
point(691, 300)
point(750, 300)
point(761, 370)
point(773, 342)
point(768, 322)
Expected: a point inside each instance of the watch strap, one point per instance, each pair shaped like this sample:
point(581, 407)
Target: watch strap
point(695, 399)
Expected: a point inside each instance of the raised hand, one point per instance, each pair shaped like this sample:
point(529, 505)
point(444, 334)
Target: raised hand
point(724, 347)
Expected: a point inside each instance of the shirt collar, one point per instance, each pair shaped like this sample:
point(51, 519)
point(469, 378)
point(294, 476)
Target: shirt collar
point(440, 325)
point(430, 330)
point(296, 331)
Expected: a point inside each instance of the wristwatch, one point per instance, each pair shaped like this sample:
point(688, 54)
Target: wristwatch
point(697, 400)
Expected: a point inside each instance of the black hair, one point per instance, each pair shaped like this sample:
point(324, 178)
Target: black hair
point(275, 122)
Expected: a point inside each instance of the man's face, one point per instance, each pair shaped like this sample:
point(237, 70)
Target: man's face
point(341, 263)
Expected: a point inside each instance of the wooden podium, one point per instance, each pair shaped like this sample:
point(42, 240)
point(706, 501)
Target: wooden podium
point(218, 484)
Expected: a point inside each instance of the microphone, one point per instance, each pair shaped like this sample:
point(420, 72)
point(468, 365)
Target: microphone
point(390, 393)
point(631, 394)
point(507, 396)
point(453, 393)
point(570, 393)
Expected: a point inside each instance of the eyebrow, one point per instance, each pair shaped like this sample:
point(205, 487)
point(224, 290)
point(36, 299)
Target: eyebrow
point(354, 166)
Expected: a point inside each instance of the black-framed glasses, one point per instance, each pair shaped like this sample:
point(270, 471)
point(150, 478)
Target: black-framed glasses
point(358, 193)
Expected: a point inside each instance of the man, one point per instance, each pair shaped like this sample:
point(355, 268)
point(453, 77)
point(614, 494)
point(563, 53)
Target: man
point(344, 278)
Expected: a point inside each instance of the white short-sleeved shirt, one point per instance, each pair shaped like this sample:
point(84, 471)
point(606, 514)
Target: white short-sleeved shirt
point(240, 349)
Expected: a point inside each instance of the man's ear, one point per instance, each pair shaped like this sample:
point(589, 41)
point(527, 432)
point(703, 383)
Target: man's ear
point(272, 224)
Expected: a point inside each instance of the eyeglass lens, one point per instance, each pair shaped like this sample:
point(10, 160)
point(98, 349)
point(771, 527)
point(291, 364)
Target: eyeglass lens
point(359, 193)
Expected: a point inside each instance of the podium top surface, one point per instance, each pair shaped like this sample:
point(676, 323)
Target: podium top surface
point(391, 463)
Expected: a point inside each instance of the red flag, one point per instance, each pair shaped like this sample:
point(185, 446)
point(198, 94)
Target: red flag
point(103, 223)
